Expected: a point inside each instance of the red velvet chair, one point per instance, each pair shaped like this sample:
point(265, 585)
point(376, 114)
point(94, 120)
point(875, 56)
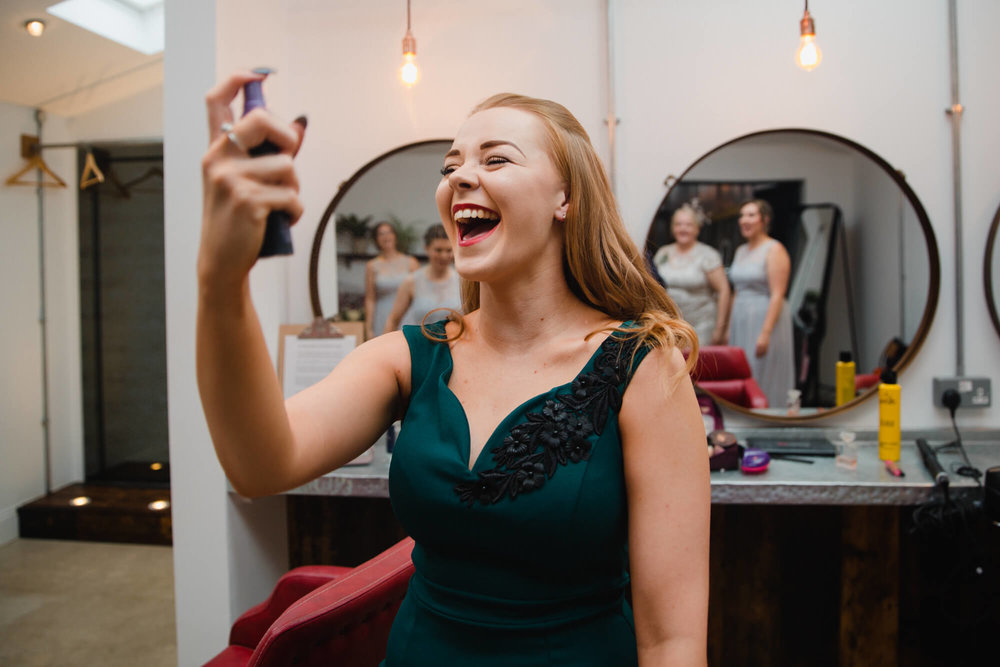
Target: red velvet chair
point(323, 615)
point(723, 370)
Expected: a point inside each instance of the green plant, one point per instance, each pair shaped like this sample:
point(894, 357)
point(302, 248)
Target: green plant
point(352, 225)
point(406, 235)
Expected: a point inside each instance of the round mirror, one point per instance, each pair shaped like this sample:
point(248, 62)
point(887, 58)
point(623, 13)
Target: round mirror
point(991, 272)
point(398, 187)
point(863, 268)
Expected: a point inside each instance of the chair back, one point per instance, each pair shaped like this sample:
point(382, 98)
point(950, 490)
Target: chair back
point(345, 622)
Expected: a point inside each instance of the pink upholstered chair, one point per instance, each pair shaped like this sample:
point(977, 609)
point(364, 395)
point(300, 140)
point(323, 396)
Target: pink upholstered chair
point(323, 615)
point(723, 370)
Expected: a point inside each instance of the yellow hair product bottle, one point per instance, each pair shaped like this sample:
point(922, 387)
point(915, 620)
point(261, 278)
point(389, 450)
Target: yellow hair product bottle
point(889, 435)
point(845, 378)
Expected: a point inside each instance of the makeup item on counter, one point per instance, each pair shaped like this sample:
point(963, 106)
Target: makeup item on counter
point(845, 378)
point(755, 462)
point(723, 451)
point(889, 433)
point(793, 459)
point(847, 451)
point(793, 402)
point(894, 469)
point(278, 231)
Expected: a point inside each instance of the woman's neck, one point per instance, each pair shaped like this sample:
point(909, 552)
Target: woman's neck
point(512, 314)
point(438, 273)
point(756, 240)
point(684, 247)
point(390, 254)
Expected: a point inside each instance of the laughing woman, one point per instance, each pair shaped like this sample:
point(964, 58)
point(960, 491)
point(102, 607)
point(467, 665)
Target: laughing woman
point(552, 446)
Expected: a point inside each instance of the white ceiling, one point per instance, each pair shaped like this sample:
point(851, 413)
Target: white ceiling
point(68, 70)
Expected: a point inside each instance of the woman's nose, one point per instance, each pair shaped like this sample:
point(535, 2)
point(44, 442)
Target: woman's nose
point(464, 177)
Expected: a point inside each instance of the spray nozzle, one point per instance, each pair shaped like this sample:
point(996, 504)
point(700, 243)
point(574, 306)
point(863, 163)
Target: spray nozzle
point(253, 91)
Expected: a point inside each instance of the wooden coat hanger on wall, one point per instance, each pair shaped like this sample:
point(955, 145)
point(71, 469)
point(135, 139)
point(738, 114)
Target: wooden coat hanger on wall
point(30, 151)
point(91, 174)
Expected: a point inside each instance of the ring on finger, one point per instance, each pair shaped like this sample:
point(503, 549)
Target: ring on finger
point(227, 129)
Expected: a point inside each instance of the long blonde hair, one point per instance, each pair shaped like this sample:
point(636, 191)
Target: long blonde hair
point(602, 265)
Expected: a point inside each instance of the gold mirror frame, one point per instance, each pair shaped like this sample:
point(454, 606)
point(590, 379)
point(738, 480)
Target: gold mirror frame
point(933, 279)
point(988, 277)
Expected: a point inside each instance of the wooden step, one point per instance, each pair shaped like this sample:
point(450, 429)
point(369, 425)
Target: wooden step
point(114, 513)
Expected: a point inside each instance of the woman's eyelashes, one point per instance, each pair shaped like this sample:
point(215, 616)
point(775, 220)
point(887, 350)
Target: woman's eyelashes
point(491, 161)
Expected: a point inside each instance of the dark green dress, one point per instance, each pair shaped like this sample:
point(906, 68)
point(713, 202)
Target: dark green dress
point(522, 560)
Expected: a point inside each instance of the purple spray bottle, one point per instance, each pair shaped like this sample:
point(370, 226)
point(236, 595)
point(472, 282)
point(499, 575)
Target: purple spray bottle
point(278, 232)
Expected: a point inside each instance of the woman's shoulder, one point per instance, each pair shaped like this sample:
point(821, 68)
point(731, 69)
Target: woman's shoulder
point(663, 253)
point(775, 247)
point(709, 254)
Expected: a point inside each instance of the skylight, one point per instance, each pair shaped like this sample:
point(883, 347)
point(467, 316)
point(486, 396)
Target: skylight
point(137, 24)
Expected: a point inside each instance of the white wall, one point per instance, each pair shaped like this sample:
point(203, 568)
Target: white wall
point(22, 471)
point(135, 118)
point(689, 76)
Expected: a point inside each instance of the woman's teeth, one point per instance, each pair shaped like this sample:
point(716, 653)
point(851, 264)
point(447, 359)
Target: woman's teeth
point(465, 213)
point(475, 224)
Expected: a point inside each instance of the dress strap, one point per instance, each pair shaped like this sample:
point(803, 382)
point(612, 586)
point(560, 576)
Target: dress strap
point(423, 350)
point(628, 352)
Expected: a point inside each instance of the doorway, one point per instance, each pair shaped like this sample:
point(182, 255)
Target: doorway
point(123, 321)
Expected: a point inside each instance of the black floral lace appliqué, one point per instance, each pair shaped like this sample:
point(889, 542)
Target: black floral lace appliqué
point(557, 434)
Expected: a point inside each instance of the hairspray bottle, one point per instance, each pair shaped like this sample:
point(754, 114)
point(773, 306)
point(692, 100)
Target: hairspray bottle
point(278, 231)
point(889, 433)
point(845, 378)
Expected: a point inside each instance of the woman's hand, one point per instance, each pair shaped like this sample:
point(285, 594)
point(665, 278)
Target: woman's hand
point(763, 342)
point(720, 337)
point(240, 191)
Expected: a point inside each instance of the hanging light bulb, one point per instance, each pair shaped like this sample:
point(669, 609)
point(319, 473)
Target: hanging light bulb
point(409, 73)
point(808, 55)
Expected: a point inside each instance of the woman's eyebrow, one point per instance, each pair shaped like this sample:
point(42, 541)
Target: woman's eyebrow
point(500, 142)
point(488, 144)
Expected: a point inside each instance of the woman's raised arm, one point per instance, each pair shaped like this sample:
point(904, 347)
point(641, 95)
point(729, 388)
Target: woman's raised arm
point(262, 447)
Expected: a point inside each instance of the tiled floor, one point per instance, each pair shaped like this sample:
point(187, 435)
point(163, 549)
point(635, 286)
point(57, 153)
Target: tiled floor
point(86, 603)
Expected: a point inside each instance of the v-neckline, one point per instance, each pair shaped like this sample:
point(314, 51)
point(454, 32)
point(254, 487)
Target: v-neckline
point(465, 451)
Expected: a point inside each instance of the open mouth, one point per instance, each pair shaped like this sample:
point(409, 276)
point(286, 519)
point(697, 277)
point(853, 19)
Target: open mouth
point(475, 223)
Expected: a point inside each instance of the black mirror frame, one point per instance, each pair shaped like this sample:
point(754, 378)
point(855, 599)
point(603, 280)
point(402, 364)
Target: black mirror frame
point(932, 252)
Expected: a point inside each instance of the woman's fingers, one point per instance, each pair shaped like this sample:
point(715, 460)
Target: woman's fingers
point(254, 129)
point(299, 127)
point(218, 99)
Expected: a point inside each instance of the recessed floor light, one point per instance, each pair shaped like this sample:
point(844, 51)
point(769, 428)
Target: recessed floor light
point(158, 505)
point(80, 501)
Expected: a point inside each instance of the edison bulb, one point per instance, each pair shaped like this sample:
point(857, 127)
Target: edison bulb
point(409, 73)
point(808, 55)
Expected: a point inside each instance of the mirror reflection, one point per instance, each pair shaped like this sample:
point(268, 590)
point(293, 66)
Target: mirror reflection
point(393, 194)
point(825, 251)
point(991, 273)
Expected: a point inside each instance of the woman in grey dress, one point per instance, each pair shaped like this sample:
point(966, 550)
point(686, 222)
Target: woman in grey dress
point(431, 287)
point(383, 276)
point(694, 276)
point(760, 322)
